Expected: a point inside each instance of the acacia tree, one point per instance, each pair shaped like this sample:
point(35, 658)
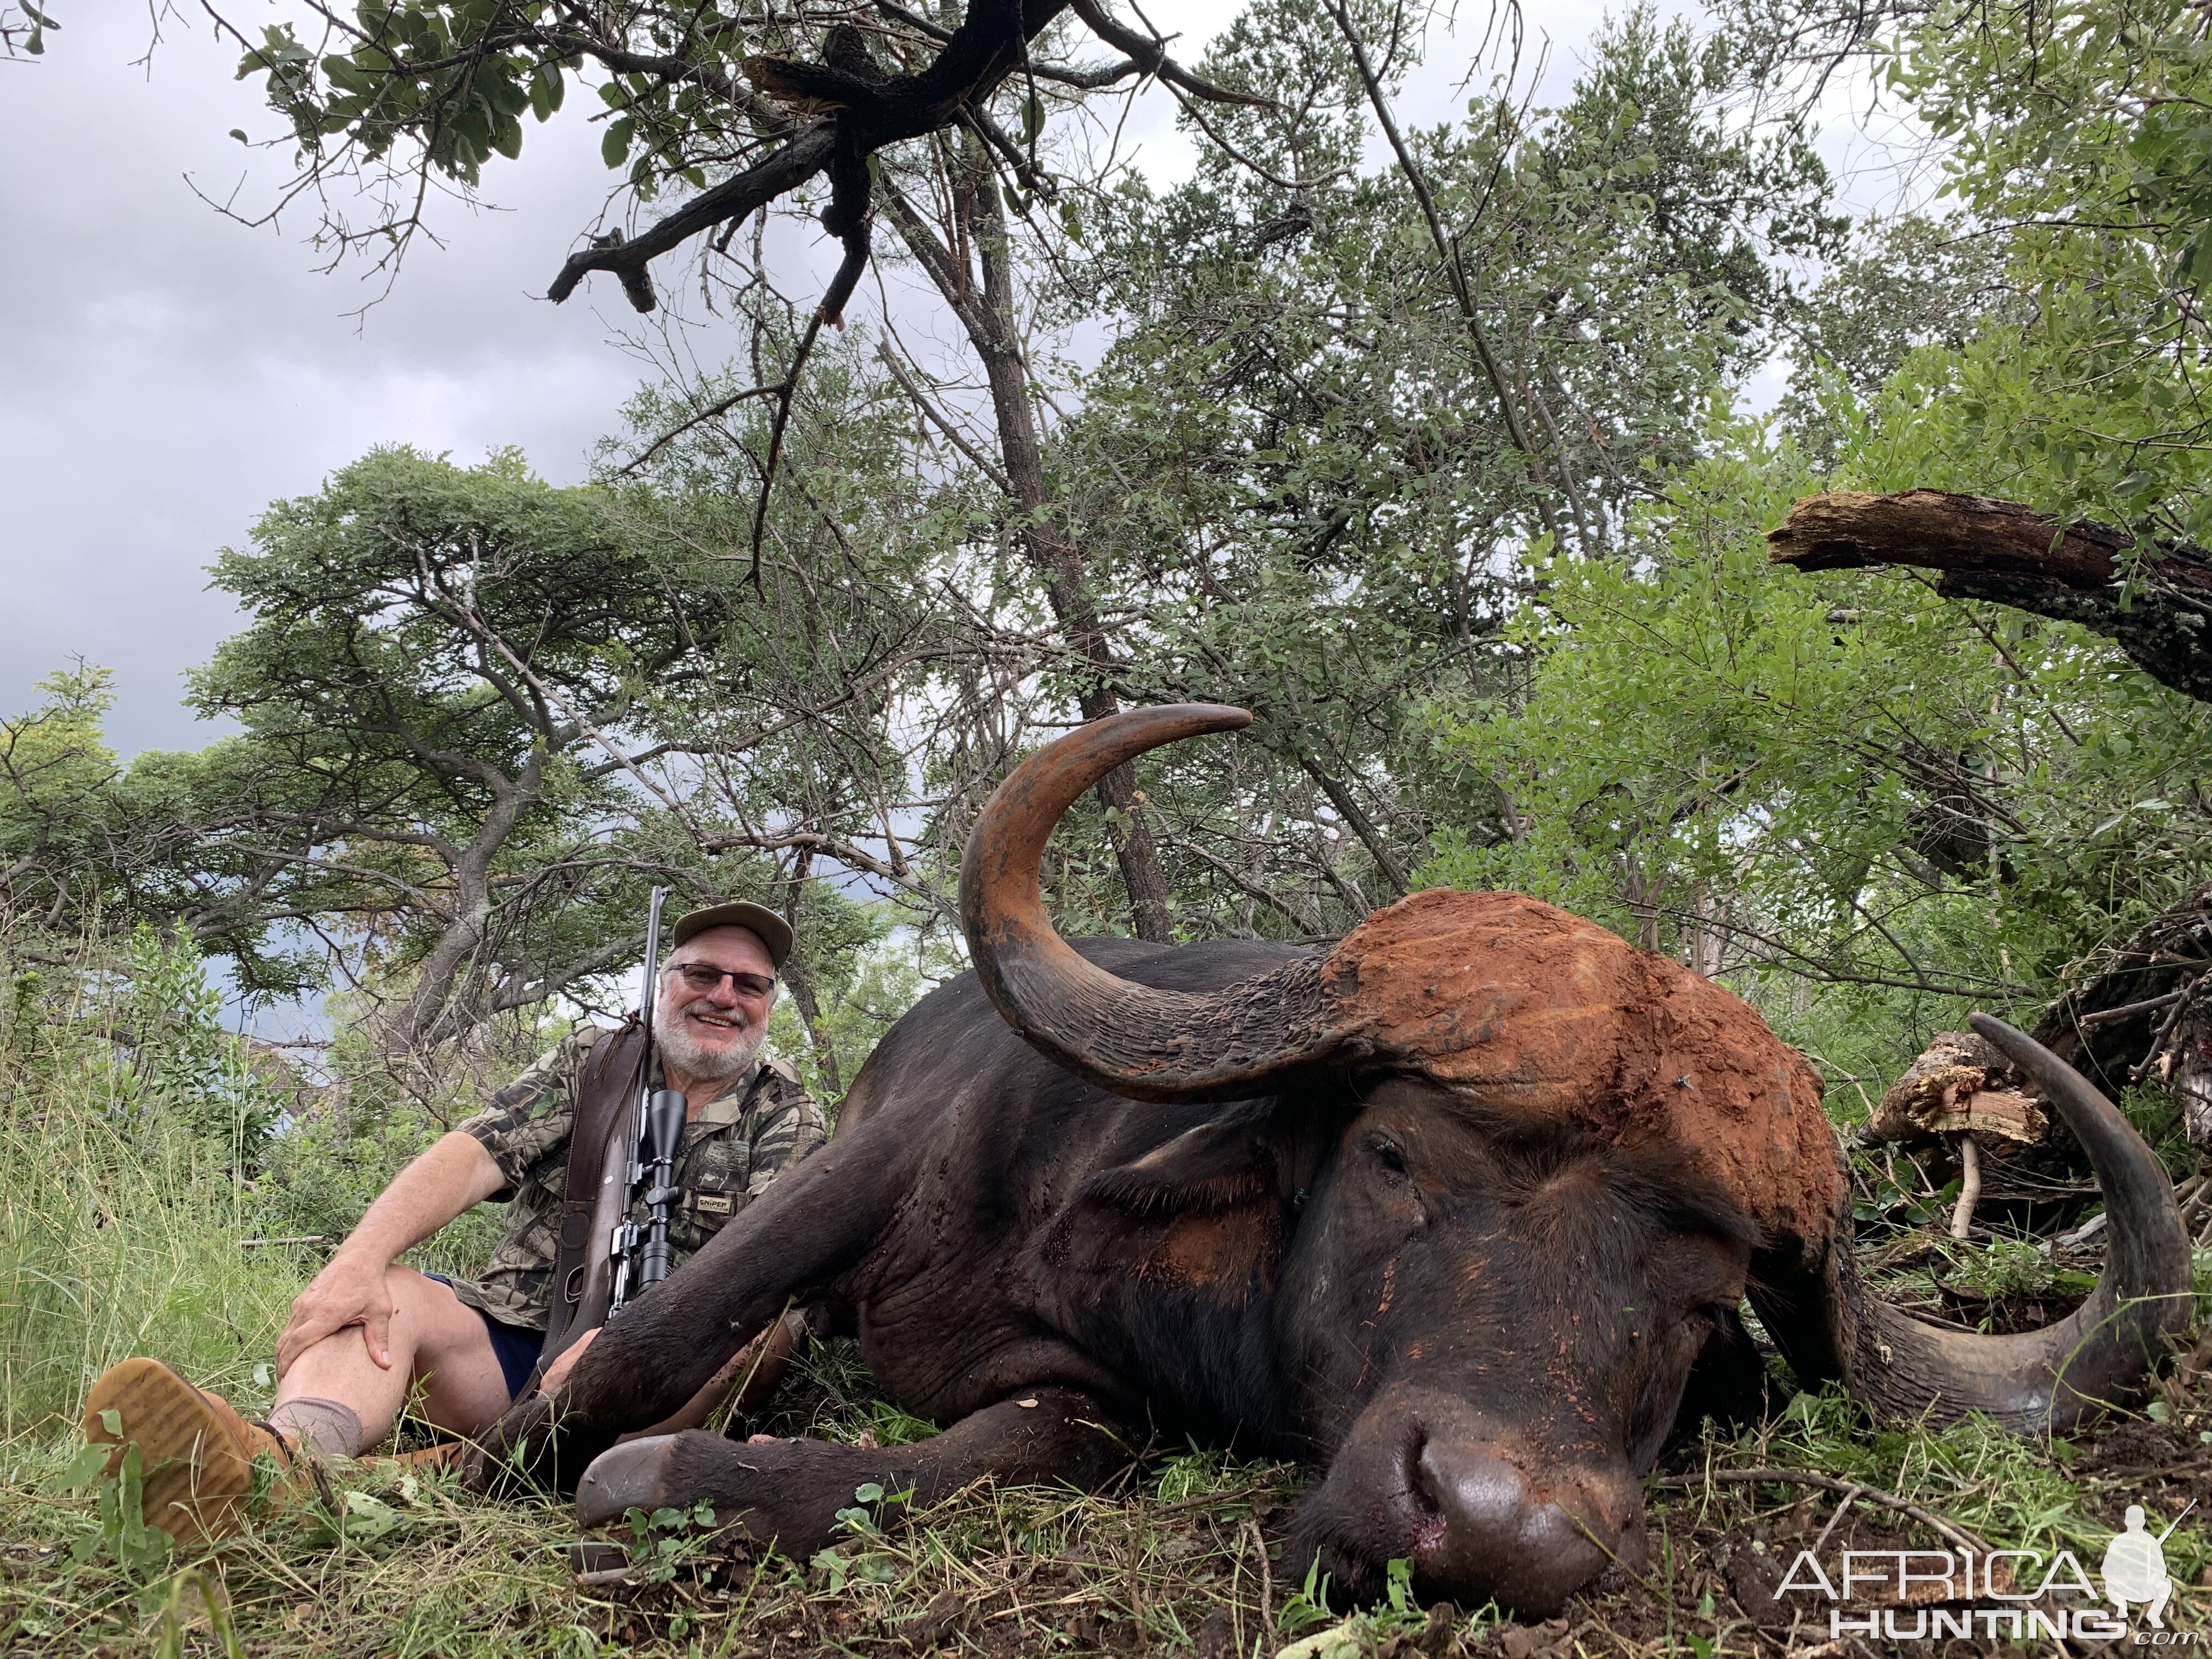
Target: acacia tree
point(439, 687)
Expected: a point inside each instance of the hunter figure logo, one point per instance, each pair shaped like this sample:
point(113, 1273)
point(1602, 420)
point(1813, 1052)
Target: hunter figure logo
point(2015, 1594)
point(2135, 1568)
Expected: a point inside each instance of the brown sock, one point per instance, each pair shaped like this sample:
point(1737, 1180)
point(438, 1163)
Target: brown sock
point(329, 1426)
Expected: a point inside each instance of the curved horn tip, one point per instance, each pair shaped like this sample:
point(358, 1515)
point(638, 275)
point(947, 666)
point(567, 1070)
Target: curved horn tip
point(1199, 716)
point(2102, 1351)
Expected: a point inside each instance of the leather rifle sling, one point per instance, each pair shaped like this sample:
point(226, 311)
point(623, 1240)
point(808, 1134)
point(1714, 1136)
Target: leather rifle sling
point(591, 1200)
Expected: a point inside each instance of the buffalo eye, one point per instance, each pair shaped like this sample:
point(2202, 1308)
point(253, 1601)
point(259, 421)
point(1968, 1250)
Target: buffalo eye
point(1388, 1154)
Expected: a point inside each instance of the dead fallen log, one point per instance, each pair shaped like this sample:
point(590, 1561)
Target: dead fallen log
point(2012, 555)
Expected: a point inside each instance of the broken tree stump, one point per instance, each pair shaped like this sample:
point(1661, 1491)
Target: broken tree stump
point(1959, 1090)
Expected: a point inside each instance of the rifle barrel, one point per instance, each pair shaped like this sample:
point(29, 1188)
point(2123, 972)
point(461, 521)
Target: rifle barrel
point(627, 1266)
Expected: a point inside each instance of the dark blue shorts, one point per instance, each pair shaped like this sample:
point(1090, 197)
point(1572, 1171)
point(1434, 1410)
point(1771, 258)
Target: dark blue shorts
point(516, 1347)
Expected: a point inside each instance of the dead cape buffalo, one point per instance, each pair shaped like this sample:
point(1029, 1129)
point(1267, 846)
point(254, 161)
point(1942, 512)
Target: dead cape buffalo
point(1461, 1211)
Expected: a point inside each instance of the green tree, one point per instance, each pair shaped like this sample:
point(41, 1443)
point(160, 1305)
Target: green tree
point(1307, 472)
point(57, 796)
point(442, 684)
point(2076, 141)
point(1839, 780)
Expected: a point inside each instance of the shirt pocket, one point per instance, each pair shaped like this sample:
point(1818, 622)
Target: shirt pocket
point(713, 1179)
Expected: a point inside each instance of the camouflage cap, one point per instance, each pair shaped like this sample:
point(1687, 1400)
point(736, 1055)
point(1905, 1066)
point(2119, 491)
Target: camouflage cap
point(774, 931)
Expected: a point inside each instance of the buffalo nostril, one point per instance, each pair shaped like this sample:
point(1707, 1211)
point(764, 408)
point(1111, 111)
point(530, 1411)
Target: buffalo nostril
point(1412, 1482)
point(1529, 1546)
point(1478, 1493)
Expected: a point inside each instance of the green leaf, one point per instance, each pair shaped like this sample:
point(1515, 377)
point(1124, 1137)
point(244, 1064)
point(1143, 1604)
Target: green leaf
point(112, 1420)
point(368, 1518)
point(86, 1466)
point(614, 148)
point(504, 94)
point(1399, 1574)
point(546, 84)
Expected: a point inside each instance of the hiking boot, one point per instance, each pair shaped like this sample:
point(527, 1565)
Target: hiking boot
point(195, 1451)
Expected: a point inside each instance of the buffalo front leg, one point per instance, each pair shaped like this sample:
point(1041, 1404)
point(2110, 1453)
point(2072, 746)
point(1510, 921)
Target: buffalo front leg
point(789, 1492)
point(789, 1243)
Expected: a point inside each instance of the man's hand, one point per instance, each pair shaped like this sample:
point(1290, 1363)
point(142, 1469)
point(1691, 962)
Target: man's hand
point(350, 1290)
point(557, 1372)
point(455, 1173)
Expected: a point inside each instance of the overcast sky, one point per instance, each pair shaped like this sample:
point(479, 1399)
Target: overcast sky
point(165, 372)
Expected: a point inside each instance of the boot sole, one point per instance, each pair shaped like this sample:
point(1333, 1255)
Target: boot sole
point(196, 1481)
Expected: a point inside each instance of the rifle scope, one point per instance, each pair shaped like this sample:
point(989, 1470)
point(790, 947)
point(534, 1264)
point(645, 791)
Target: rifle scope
point(663, 1131)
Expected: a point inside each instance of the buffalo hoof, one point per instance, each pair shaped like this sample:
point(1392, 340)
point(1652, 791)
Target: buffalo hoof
point(787, 1492)
point(634, 1475)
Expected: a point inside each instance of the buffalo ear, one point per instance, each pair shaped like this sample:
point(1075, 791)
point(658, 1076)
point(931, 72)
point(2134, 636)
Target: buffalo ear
point(1222, 1165)
point(1729, 1383)
point(1204, 1213)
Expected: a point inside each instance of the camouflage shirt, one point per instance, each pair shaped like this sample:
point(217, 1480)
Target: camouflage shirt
point(759, 1126)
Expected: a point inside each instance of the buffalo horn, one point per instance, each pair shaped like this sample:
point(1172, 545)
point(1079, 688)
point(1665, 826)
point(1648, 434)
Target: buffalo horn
point(2098, 1356)
point(1136, 1041)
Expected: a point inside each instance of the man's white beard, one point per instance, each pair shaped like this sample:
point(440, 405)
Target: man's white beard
point(679, 1049)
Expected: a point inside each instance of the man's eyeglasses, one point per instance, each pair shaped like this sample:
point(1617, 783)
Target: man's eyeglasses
point(703, 978)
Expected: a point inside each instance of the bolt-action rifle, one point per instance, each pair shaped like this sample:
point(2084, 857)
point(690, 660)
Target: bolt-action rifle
point(620, 1260)
point(641, 1260)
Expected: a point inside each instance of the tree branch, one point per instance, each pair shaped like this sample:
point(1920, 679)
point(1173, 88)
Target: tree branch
point(2159, 612)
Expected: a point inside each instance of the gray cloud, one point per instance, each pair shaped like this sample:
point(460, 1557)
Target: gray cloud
point(166, 372)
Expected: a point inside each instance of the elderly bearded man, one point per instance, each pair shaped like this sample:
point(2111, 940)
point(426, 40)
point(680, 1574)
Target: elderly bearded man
point(367, 1331)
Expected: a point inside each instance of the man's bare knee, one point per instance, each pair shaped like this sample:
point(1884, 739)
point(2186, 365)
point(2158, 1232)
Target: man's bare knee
point(455, 1365)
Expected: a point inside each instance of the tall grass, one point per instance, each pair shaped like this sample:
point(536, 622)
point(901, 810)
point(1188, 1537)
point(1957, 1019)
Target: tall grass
point(114, 1244)
point(147, 1157)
